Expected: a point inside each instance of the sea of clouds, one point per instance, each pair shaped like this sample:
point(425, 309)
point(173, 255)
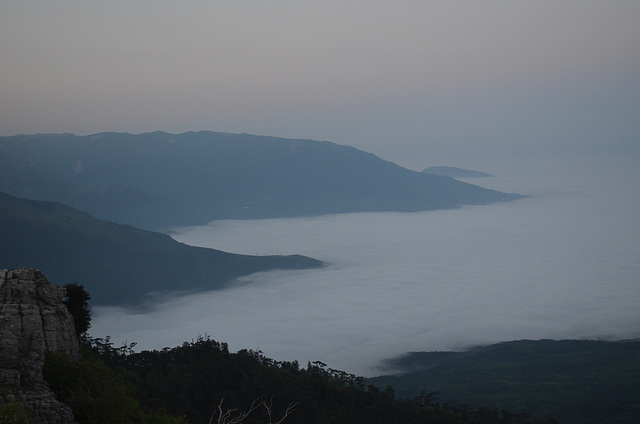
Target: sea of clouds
point(562, 263)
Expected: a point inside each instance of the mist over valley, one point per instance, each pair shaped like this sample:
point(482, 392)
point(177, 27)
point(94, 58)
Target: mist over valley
point(559, 264)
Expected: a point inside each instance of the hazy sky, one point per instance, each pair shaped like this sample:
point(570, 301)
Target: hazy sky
point(410, 81)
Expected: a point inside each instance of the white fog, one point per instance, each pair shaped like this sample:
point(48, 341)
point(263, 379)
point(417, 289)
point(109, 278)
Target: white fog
point(563, 263)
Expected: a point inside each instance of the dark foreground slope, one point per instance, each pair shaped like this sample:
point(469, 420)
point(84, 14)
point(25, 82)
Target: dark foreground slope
point(574, 381)
point(155, 180)
point(117, 263)
point(197, 379)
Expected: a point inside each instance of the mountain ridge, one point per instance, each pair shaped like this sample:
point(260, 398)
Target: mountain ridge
point(452, 171)
point(158, 180)
point(118, 263)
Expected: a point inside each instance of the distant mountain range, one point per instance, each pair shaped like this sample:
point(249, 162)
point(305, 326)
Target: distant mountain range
point(127, 185)
point(117, 264)
point(452, 171)
point(158, 180)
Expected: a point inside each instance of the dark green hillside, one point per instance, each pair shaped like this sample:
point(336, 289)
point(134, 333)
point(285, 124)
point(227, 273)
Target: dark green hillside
point(192, 380)
point(574, 381)
point(117, 263)
point(155, 180)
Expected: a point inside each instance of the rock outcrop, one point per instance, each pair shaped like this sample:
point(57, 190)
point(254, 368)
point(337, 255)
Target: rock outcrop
point(33, 321)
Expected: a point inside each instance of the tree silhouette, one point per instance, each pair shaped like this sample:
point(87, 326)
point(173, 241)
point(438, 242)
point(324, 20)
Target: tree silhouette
point(77, 301)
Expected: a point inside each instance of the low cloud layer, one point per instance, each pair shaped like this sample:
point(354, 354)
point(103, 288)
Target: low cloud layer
point(561, 264)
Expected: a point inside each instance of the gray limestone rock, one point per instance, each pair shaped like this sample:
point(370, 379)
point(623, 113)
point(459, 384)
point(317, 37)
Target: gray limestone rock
point(33, 321)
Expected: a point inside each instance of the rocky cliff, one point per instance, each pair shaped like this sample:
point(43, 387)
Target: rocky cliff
point(33, 321)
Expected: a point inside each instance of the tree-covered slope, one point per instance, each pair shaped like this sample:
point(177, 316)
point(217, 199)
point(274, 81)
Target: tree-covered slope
point(574, 381)
point(201, 381)
point(117, 263)
point(155, 180)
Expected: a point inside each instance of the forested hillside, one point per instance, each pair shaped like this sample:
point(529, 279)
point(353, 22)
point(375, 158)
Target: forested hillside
point(574, 381)
point(118, 264)
point(201, 381)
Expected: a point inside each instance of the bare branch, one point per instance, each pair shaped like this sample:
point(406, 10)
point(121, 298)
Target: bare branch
point(290, 409)
point(230, 416)
point(226, 417)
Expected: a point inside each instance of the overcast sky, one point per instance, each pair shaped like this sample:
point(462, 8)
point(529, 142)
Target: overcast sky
point(407, 80)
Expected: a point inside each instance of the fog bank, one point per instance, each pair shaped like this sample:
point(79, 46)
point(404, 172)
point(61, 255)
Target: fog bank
point(560, 264)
